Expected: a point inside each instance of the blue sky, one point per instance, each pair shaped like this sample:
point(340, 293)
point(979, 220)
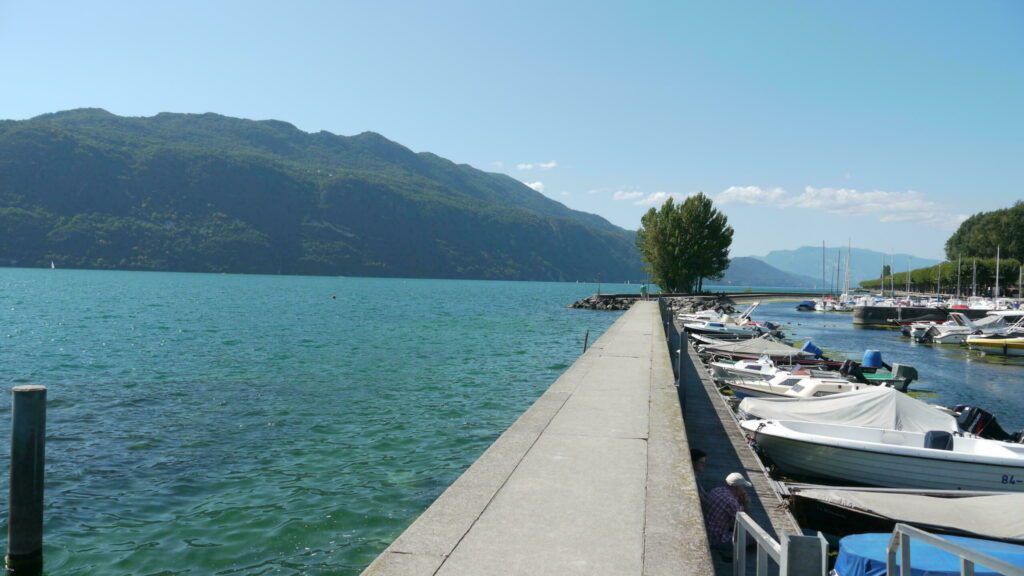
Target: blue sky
point(884, 122)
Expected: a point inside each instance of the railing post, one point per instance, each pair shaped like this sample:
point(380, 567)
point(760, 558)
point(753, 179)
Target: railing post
point(905, 569)
point(739, 550)
point(966, 567)
point(28, 455)
point(762, 561)
point(586, 338)
point(803, 555)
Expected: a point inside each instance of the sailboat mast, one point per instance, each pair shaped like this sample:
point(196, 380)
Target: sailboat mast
point(823, 293)
point(908, 279)
point(995, 291)
point(849, 256)
point(892, 276)
point(974, 279)
point(959, 257)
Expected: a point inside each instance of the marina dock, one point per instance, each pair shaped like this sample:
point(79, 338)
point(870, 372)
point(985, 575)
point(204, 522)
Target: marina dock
point(594, 478)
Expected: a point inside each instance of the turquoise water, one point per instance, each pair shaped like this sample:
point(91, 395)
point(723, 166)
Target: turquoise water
point(222, 424)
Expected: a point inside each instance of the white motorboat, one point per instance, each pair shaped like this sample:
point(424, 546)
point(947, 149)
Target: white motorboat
point(761, 369)
point(800, 384)
point(890, 458)
point(917, 330)
point(726, 327)
point(960, 327)
point(873, 407)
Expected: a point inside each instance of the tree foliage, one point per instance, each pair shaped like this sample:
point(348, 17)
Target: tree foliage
point(982, 233)
point(682, 244)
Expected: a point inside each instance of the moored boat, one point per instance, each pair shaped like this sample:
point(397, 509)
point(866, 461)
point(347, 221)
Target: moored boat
point(812, 384)
point(890, 458)
point(996, 345)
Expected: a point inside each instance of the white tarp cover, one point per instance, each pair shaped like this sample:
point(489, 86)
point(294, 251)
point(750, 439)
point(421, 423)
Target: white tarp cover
point(872, 407)
point(757, 346)
point(998, 516)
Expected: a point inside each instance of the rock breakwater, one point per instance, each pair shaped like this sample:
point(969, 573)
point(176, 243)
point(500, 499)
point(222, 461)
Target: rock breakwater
point(684, 304)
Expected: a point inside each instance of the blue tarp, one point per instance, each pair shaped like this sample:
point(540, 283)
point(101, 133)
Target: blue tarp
point(864, 555)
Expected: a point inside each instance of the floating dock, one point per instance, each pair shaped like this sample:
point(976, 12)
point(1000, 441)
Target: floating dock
point(594, 478)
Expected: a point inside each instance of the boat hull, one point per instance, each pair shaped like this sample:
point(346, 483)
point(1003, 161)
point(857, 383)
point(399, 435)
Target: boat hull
point(998, 347)
point(869, 468)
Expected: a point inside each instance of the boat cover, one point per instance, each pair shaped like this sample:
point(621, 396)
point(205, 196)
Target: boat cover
point(872, 407)
point(758, 346)
point(970, 514)
point(864, 555)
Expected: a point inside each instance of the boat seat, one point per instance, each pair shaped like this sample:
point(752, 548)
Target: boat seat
point(938, 440)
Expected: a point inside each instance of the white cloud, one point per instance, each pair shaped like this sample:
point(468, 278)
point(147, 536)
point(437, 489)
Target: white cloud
point(624, 195)
point(498, 164)
point(537, 165)
point(751, 195)
point(565, 193)
point(538, 186)
point(659, 198)
point(909, 206)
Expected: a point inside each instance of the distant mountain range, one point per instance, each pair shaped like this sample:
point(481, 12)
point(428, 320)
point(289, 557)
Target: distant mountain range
point(209, 193)
point(865, 264)
point(748, 271)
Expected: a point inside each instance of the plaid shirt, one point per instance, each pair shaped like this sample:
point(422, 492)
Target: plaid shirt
point(720, 509)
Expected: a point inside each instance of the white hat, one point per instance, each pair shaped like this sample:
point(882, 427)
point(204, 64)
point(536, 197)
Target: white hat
point(737, 479)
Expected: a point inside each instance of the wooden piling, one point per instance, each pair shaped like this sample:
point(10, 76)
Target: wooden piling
point(28, 451)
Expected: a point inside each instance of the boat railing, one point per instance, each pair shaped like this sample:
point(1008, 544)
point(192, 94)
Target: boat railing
point(795, 555)
point(900, 542)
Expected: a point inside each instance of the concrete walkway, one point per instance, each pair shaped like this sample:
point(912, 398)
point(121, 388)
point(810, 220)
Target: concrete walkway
point(593, 479)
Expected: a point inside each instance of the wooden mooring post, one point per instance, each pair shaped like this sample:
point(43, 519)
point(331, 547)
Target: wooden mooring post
point(28, 454)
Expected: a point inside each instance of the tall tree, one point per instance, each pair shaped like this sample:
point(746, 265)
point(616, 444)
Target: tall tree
point(984, 232)
point(682, 244)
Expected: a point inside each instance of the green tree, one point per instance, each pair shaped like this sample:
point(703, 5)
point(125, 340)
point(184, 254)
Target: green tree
point(981, 234)
point(682, 244)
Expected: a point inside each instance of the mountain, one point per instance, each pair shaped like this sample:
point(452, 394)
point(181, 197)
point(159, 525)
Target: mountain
point(865, 264)
point(748, 271)
point(211, 193)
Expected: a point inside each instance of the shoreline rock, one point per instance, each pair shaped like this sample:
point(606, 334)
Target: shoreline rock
point(678, 304)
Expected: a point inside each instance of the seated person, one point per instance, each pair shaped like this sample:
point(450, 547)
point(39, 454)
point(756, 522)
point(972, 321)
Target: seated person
point(720, 509)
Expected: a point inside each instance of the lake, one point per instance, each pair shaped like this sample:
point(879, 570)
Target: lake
point(229, 424)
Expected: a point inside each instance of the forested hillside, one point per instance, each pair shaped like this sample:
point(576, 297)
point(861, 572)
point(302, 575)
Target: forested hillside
point(88, 189)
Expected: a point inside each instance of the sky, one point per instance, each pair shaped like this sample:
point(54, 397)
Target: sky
point(876, 122)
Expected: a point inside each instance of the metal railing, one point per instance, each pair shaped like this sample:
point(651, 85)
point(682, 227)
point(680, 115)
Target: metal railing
point(902, 534)
point(796, 555)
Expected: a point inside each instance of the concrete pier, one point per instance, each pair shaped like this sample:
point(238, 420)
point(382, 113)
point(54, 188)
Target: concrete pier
point(594, 478)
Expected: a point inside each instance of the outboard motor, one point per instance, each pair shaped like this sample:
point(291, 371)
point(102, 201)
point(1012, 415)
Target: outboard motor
point(974, 420)
point(905, 375)
point(938, 440)
point(844, 369)
point(810, 348)
point(854, 372)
